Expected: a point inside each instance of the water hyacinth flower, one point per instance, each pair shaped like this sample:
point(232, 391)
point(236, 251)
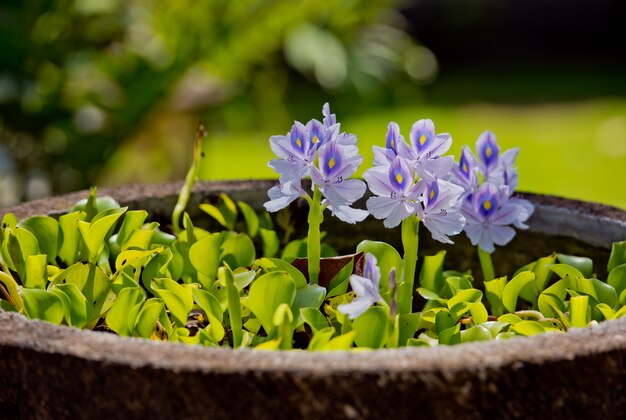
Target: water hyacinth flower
point(489, 207)
point(330, 158)
point(439, 212)
point(365, 287)
point(427, 149)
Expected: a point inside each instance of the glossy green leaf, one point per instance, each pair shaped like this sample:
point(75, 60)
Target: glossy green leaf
point(234, 307)
point(564, 270)
point(618, 255)
point(310, 296)
point(135, 258)
point(407, 326)
point(494, 327)
point(294, 249)
point(582, 264)
point(550, 305)
point(178, 298)
point(243, 277)
point(225, 213)
point(70, 237)
point(543, 274)
point(205, 255)
point(617, 279)
point(77, 309)
point(122, 316)
point(283, 319)
point(527, 328)
point(510, 319)
point(341, 342)
point(46, 230)
point(451, 335)
point(36, 272)
point(147, 318)
point(479, 313)
point(493, 292)
point(607, 311)
point(430, 295)
point(465, 296)
point(208, 303)
point(238, 251)
point(275, 264)
point(599, 290)
point(579, 311)
point(314, 318)
point(43, 304)
point(443, 321)
point(140, 238)
point(267, 293)
point(475, 333)
point(156, 267)
point(92, 282)
point(94, 205)
point(457, 283)
point(339, 283)
point(94, 234)
point(513, 287)
point(18, 244)
point(12, 288)
point(371, 328)
point(133, 219)
point(431, 274)
point(271, 242)
point(251, 218)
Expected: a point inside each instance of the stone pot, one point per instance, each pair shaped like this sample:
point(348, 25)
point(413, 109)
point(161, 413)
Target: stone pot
point(49, 371)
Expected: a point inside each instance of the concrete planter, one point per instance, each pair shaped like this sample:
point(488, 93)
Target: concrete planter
point(48, 371)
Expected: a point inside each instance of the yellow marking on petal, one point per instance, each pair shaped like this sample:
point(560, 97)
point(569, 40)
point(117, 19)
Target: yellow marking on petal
point(393, 144)
point(315, 139)
point(488, 153)
point(487, 204)
point(422, 139)
point(464, 167)
point(431, 195)
point(299, 142)
point(331, 163)
point(399, 178)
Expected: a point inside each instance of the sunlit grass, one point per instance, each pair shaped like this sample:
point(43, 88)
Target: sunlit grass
point(575, 150)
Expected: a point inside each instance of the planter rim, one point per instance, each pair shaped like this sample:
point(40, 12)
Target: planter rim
point(18, 332)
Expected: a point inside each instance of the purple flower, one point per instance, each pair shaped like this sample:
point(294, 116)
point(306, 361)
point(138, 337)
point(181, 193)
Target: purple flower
point(465, 174)
point(426, 150)
point(329, 157)
point(440, 214)
point(336, 164)
point(489, 216)
point(365, 287)
point(488, 151)
point(393, 144)
point(396, 194)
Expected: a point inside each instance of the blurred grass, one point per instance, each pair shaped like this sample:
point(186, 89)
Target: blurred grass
point(573, 149)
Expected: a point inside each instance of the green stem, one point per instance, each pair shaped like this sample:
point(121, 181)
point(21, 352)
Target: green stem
point(485, 264)
point(410, 243)
point(313, 238)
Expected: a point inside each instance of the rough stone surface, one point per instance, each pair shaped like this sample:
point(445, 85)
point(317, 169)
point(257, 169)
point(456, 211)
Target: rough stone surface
point(49, 371)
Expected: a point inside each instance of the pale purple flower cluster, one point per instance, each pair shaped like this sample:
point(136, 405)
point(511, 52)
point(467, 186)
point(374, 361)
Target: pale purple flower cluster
point(488, 206)
point(412, 179)
point(329, 157)
point(365, 287)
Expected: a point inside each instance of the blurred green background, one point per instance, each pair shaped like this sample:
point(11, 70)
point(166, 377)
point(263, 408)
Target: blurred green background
point(108, 92)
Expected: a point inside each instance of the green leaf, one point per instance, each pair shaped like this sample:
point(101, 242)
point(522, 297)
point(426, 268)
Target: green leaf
point(94, 234)
point(599, 290)
point(510, 319)
point(407, 325)
point(243, 277)
point(543, 274)
point(494, 327)
point(451, 335)
point(156, 268)
point(12, 289)
point(479, 313)
point(234, 307)
point(94, 205)
point(140, 238)
point(75, 306)
point(475, 333)
point(618, 255)
point(177, 298)
point(371, 328)
point(93, 284)
point(238, 251)
point(283, 319)
point(493, 292)
point(310, 296)
point(320, 338)
point(267, 293)
point(251, 218)
point(225, 213)
point(122, 316)
point(456, 283)
point(564, 270)
point(430, 295)
point(43, 304)
point(617, 279)
point(46, 230)
point(341, 342)
point(271, 242)
point(431, 274)
point(339, 283)
point(36, 272)
point(583, 264)
point(133, 219)
point(314, 318)
point(550, 305)
point(512, 289)
point(205, 255)
point(607, 311)
point(148, 316)
point(275, 264)
point(470, 296)
point(527, 328)
point(579, 311)
point(70, 237)
point(443, 321)
point(208, 303)
point(294, 249)
point(18, 244)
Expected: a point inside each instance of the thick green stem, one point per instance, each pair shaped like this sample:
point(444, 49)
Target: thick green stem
point(313, 238)
point(485, 264)
point(410, 243)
